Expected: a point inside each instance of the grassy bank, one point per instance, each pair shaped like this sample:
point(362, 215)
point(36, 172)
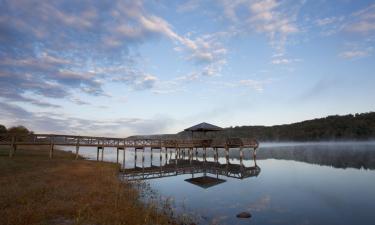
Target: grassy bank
point(36, 190)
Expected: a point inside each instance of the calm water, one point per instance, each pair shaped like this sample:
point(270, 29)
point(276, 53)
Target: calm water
point(297, 184)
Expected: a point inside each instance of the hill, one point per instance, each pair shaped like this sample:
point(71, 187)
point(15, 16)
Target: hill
point(360, 126)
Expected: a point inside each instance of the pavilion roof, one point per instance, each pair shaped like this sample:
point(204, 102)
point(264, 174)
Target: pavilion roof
point(205, 181)
point(204, 127)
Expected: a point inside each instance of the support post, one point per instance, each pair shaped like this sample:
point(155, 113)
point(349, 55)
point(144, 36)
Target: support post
point(217, 155)
point(166, 156)
point(227, 158)
point(97, 153)
point(77, 151)
point(117, 151)
point(102, 154)
point(152, 156)
point(143, 159)
point(123, 159)
point(241, 156)
point(77, 148)
point(190, 155)
point(135, 158)
point(160, 157)
point(255, 156)
point(227, 154)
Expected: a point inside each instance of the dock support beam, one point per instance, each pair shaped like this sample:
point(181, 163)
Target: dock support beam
point(77, 151)
point(124, 159)
point(143, 158)
point(255, 156)
point(135, 158)
point(166, 156)
point(160, 156)
point(51, 151)
point(227, 154)
point(241, 156)
point(117, 152)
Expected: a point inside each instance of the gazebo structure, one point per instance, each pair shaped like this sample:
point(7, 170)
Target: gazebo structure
point(203, 127)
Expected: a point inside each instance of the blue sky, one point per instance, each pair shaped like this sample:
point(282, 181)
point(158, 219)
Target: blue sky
point(120, 68)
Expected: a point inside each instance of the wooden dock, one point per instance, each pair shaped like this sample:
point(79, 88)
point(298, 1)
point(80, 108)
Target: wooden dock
point(123, 144)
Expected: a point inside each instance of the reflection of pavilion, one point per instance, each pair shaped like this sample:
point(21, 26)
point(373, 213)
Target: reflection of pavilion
point(188, 166)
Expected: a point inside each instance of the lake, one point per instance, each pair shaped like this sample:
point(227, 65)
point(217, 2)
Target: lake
point(289, 183)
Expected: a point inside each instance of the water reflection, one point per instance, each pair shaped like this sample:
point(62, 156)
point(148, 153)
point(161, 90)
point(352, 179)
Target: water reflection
point(298, 183)
point(209, 171)
point(338, 155)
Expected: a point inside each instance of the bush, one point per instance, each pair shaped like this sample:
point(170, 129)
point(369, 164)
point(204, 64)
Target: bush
point(3, 129)
point(19, 130)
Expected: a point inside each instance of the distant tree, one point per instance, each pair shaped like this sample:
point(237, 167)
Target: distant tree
point(3, 129)
point(19, 130)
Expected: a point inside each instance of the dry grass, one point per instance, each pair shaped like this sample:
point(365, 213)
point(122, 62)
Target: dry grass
point(36, 190)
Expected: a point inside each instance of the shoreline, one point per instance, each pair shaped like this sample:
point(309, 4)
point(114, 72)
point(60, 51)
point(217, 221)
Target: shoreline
point(37, 190)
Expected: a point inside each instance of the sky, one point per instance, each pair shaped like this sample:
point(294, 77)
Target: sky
point(119, 68)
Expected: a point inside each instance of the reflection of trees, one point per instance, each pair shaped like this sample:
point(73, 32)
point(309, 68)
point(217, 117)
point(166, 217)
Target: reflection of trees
point(338, 156)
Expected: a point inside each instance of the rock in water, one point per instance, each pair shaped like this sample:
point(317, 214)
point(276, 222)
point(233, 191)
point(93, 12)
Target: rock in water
point(244, 215)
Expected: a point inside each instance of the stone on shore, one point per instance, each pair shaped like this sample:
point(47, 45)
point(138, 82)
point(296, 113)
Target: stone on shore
point(244, 215)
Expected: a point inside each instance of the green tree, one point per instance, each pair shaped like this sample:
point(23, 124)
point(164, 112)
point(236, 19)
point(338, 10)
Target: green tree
point(19, 130)
point(3, 129)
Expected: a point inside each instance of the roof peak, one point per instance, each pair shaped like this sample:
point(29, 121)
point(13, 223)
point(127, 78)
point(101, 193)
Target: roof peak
point(204, 126)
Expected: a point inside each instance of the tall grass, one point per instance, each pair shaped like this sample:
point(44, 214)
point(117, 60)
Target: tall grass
point(36, 190)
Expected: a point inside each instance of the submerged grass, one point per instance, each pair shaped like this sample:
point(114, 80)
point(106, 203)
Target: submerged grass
point(37, 190)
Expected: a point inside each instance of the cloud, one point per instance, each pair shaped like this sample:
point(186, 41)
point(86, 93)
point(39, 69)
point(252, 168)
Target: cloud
point(60, 48)
point(42, 122)
point(283, 61)
point(363, 21)
point(275, 19)
point(351, 54)
point(188, 6)
point(257, 85)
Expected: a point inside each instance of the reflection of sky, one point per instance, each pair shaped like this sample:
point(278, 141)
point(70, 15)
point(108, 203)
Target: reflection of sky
point(285, 192)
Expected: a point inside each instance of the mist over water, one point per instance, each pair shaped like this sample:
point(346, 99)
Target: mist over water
point(298, 183)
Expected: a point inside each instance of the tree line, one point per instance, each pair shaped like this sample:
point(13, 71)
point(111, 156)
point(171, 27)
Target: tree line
point(360, 126)
point(14, 130)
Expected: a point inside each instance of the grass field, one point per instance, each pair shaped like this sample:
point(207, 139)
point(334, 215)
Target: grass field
point(37, 190)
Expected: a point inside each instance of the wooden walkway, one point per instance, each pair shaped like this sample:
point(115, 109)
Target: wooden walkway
point(123, 144)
